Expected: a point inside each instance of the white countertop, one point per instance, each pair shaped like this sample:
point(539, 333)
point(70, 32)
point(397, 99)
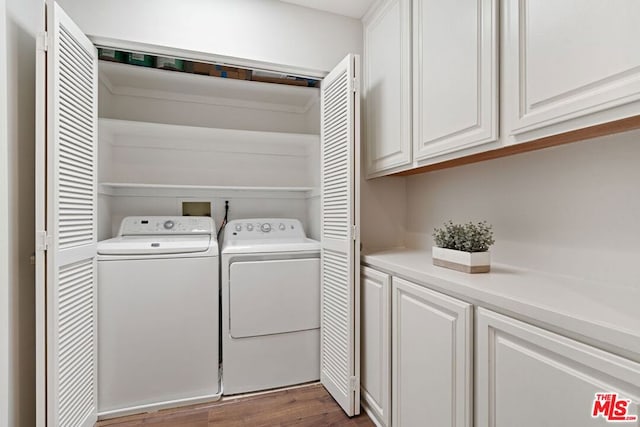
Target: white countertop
point(602, 315)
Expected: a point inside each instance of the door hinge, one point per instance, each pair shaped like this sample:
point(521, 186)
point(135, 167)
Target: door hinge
point(43, 240)
point(356, 85)
point(42, 41)
point(354, 232)
point(353, 384)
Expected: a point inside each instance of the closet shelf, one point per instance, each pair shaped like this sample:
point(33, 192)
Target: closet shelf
point(173, 190)
point(129, 133)
point(129, 80)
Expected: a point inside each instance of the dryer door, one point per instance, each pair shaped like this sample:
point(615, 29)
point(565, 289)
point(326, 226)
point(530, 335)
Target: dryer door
point(274, 297)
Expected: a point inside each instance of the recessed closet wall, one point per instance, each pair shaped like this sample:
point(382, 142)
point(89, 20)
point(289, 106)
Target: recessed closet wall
point(168, 137)
point(305, 38)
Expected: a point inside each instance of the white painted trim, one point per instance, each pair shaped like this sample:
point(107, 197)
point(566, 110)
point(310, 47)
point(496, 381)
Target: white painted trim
point(372, 12)
point(158, 406)
point(206, 57)
point(4, 227)
point(170, 190)
point(366, 407)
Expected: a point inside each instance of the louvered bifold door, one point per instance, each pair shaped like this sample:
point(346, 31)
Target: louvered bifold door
point(340, 337)
point(71, 197)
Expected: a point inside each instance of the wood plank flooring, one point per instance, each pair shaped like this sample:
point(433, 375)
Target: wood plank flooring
point(307, 406)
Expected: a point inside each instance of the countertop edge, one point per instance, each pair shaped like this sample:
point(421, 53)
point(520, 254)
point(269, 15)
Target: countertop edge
point(595, 331)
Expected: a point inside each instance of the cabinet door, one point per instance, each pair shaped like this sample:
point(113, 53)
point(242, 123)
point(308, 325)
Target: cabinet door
point(529, 377)
point(431, 359)
point(454, 75)
point(375, 347)
point(387, 87)
point(570, 63)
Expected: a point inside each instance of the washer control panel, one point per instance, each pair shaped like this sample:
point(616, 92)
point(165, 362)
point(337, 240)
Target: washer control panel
point(258, 228)
point(159, 225)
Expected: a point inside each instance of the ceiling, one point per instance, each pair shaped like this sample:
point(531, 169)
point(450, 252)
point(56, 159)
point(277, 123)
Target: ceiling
point(351, 8)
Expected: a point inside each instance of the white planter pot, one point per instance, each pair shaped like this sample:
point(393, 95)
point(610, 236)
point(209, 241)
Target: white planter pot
point(468, 262)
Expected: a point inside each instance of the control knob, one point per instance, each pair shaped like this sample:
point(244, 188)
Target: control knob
point(249, 227)
point(281, 226)
point(266, 227)
point(168, 225)
point(238, 227)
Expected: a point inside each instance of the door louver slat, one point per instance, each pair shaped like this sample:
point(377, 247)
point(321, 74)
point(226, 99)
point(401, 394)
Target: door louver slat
point(76, 342)
point(339, 189)
point(71, 186)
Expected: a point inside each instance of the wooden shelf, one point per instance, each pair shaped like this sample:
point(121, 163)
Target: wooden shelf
point(174, 190)
point(130, 80)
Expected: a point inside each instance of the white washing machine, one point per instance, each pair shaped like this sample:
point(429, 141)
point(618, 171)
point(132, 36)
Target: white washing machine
point(158, 315)
point(270, 305)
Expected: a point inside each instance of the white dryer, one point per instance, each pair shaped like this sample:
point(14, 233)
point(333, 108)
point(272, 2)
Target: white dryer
point(270, 305)
point(158, 315)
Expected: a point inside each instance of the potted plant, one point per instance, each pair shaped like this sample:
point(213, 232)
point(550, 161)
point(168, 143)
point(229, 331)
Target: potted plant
point(463, 247)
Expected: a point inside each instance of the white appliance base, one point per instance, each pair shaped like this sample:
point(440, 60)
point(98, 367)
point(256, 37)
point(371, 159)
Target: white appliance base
point(270, 361)
point(157, 332)
point(158, 406)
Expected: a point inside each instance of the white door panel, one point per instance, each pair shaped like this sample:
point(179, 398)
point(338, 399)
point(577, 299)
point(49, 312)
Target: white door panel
point(432, 358)
point(340, 140)
point(139, 307)
point(66, 206)
point(376, 343)
point(530, 377)
point(568, 59)
point(455, 75)
point(274, 297)
point(387, 87)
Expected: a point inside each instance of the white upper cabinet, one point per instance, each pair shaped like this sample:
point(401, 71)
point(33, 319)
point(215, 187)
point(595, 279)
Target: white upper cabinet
point(387, 87)
point(569, 64)
point(432, 86)
point(454, 76)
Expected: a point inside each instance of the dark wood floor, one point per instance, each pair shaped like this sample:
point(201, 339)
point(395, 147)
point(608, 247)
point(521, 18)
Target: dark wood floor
point(308, 406)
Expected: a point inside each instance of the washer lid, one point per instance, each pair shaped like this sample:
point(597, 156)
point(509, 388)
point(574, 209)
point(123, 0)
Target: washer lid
point(152, 245)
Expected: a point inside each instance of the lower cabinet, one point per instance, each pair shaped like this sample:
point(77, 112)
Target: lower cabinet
point(417, 348)
point(432, 349)
point(375, 345)
point(530, 377)
point(418, 351)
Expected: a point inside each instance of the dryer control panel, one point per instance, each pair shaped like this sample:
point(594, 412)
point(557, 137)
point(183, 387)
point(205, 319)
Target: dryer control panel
point(264, 228)
point(166, 225)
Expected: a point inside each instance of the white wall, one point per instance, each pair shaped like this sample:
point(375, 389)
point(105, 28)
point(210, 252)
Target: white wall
point(158, 110)
point(571, 210)
point(383, 212)
point(4, 229)
point(262, 30)
point(23, 20)
point(132, 152)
